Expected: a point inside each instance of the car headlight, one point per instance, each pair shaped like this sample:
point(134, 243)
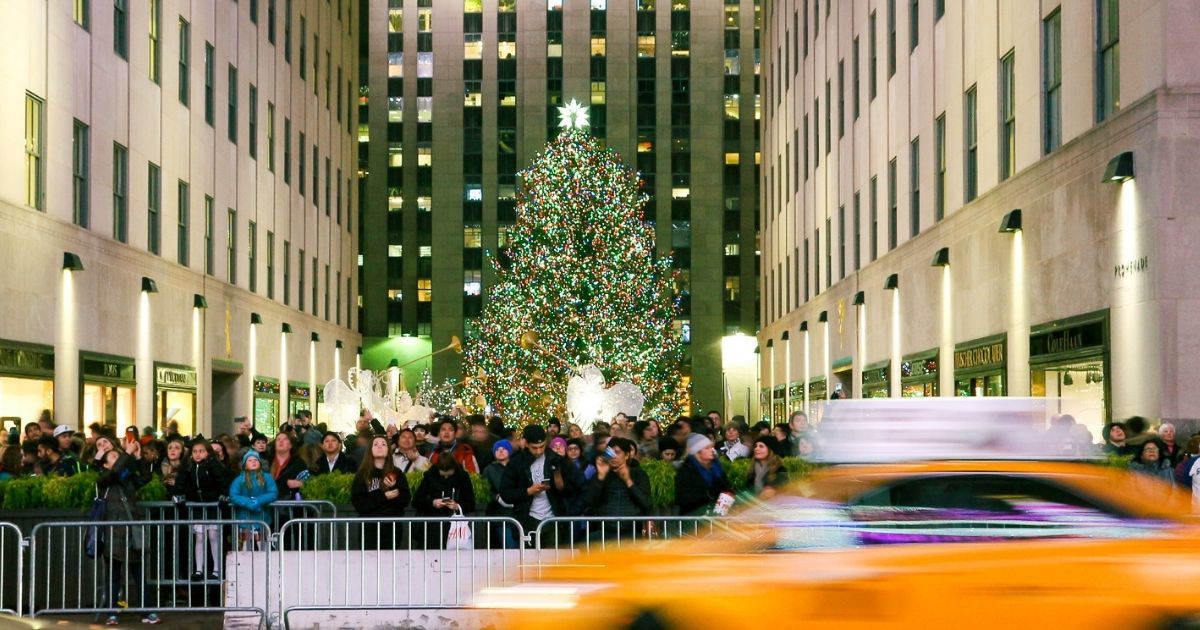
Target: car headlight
point(544, 596)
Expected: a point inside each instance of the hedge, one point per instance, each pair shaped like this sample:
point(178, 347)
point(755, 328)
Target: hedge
point(74, 492)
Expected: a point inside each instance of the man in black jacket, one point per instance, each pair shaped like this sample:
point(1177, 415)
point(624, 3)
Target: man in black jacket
point(334, 459)
point(538, 482)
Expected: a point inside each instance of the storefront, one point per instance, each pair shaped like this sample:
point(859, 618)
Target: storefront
point(266, 405)
point(175, 397)
point(298, 398)
point(818, 389)
point(843, 378)
point(875, 380)
point(1068, 360)
point(109, 388)
point(795, 397)
point(778, 404)
point(26, 381)
point(979, 367)
point(919, 375)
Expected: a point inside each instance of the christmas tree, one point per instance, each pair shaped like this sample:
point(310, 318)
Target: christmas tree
point(584, 279)
point(440, 399)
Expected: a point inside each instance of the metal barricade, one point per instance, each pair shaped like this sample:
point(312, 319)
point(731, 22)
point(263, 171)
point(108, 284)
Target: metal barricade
point(12, 569)
point(560, 539)
point(396, 564)
point(113, 567)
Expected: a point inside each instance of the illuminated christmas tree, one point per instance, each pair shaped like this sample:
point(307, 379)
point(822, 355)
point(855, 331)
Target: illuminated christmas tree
point(584, 280)
point(440, 399)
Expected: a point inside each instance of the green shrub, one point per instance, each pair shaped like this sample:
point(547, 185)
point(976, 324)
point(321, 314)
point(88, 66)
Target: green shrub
point(155, 490)
point(76, 491)
point(24, 493)
point(662, 481)
point(740, 472)
point(1114, 460)
point(483, 490)
point(332, 487)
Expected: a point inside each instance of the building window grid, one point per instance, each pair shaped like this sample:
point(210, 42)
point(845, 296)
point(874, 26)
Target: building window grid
point(183, 224)
point(270, 265)
point(872, 58)
point(35, 158)
point(914, 184)
point(153, 208)
point(209, 236)
point(873, 210)
point(209, 83)
point(80, 167)
point(939, 202)
point(154, 49)
point(1108, 74)
point(971, 145)
point(120, 193)
point(231, 246)
point(252, 255)
point(1052, 81)
point(121, 28)
point(233, 99)
point(1008, 117)
point(185, 60)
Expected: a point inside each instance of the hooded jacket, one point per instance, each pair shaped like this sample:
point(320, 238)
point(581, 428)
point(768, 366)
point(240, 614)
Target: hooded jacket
point(249, 496)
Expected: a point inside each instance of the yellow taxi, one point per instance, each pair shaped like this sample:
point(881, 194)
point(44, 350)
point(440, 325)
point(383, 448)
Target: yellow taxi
point(946, 544)
point(934, 513)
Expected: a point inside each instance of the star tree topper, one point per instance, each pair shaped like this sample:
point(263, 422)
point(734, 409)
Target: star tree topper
point(573, 116)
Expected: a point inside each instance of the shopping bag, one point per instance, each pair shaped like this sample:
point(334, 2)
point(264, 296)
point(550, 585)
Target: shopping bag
point(459, 536)
point(93, 544)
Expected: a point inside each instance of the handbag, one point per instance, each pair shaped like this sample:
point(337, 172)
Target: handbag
point(459, 536)
point(137, 534)
point(93, 544)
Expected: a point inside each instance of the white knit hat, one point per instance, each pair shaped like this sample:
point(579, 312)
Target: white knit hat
point(695, 445)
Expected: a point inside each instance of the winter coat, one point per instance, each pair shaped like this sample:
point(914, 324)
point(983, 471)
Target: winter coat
point(1161, 469)
point(435, 486)
point(463, 454)
point(518, 478)
point(693, 494)
point(369, 497)
point(291, 470)
point(249, 504)
point(343, 464)
point(611, 497)
point(204, 482)
point(115, 487)
point(494, 473)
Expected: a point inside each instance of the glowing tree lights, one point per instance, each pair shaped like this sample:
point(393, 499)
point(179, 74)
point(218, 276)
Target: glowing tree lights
point(583, 287)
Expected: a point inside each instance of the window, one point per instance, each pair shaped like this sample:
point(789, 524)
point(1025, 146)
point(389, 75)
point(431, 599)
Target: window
point(841, 98)
point(287, 150)
point(914, 185)
point(1108, 79)
point(854, 71)
point(300, 152)
point(873, 202)
point(254, 11)
point(914, 25)
point(327, 179)
point(806, 147)
point(805, 11)
point(1008, 119)
point(300, 286)
point(828, 118)
point(183, 233)
point(231, 246)
point(939, 9)
point(155, 51)
point(891, 41)
point(271, 22)
point(816, 134)
point(857, 255)
point(971, 142)
point(270, 265)
point(185, 45)
point(841, 241)
point(326, 307)
point(287, 31)
point(154, 209)
point(252, 114)
point(892, 204)
point(270, 136)
point(232, 104)
point(120, 193)
point(939, 193)
point(828, 252)
point(209, 226)
point(287, 273)
point(252, 251)
point(314, 286)
point(121, 28)
point(872, 54)
point(303, 48)
point(997, 495)
point(209, 81)
point(1052, 82)
point(35, 162)
point(316, 175)
point(82, 13)
point(80, 156)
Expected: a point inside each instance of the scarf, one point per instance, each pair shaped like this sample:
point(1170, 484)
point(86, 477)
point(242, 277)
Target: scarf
point(711, 474)
point(760, 476)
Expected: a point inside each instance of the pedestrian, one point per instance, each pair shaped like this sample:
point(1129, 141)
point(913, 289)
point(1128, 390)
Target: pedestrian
point(769, 473)
point(646, 432)
point(445, 491)
point(620, 488)
point(407, 456)
point(332, 459)
point(448, 442)
point(122, 544)
point(700, 481)
point(53, 461)
point(497, 506)
point(205, 481)
point(1174, 451)
point(539, 484)
point(288, 468)
point(250, 493)
point(381, 491)
point(732, 448)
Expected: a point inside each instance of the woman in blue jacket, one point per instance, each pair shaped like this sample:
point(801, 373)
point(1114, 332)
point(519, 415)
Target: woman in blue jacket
point(250, 494)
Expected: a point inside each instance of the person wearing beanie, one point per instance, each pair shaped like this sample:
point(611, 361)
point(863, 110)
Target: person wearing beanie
point(668, 450)
point(494, 473)
point(700, 480)
point(769, 473)
point(539, 483)
point(559, 446)
point(333, 459)
point(250, 493)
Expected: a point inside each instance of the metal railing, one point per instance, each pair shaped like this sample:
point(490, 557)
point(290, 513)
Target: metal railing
point(396, 563)
point(114, 567)
point(12, 556)
point(559, 539)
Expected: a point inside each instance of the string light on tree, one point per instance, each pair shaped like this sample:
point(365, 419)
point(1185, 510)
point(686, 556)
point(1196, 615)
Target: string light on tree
point(583, 278)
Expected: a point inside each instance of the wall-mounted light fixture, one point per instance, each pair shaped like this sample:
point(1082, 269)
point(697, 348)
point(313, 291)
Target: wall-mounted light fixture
point(1120, 169)
point(199, 301)
point(804, 326)
point(1011, 221)
point(823, 317)
point(860, 298)
point(149, 285)
point(338, 344)
point(286, 328)
point(255, 318)
point(72, 262)
point(892, 282)
point(770, 343)
point(785, 336)
point(941, 257)
point(314, 337)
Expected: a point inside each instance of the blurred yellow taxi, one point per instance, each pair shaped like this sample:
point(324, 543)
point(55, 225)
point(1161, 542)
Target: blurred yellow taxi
point(974, 544)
